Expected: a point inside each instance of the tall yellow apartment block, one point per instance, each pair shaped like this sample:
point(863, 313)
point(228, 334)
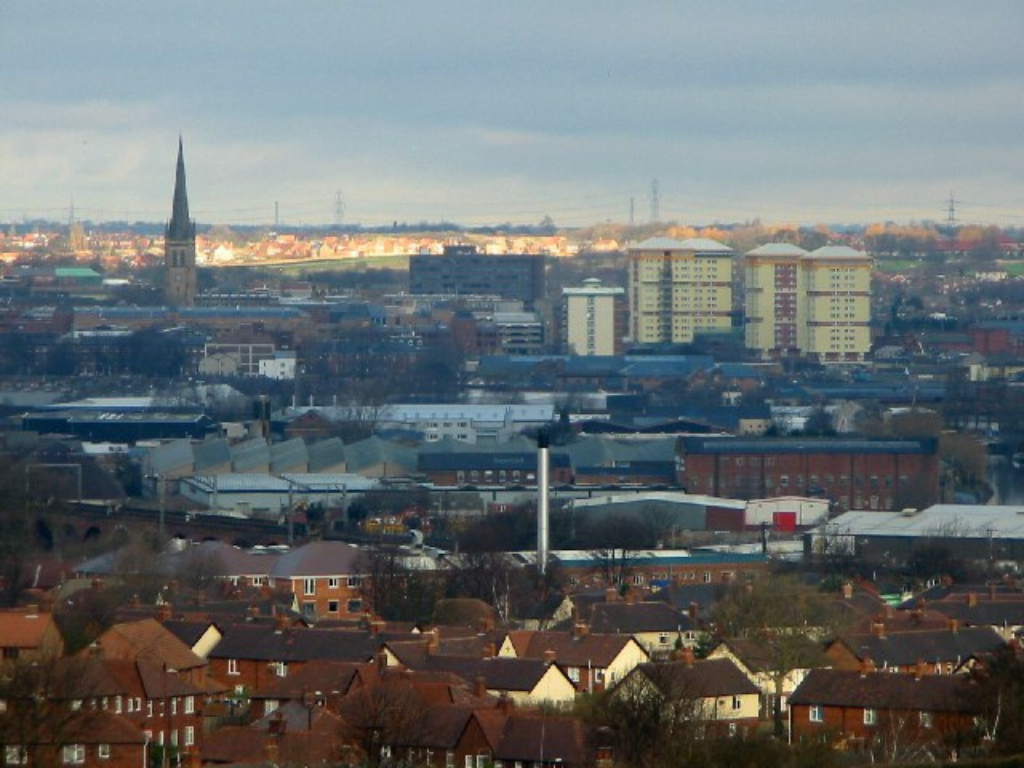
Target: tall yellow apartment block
point(815, 304)
point(773, 291)
point(678, 288)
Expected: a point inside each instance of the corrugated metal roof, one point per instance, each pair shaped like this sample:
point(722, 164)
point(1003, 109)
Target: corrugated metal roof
point(960, 520)
point(211, 453)
point(325, 453)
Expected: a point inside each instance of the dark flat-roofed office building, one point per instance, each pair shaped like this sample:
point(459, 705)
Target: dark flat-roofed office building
point(853, 473)
point(463, 270)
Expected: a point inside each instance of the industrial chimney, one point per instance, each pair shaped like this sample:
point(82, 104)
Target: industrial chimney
point(543, 441)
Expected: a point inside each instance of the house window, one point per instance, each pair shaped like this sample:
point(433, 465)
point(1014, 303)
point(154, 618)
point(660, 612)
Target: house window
point(355, 582)
point(190, 735)
point(73, 754)
point(469, 761)
point(737, 704)
point(190, 705)
point(870, 716)
point(354, 606)
point(333, 582)
point(232, 666)
point(280, 668)
point(707, 577)
point(149, 709)
point(663, 638)
point(15, 755)
point(103, 751)
point(927, 720)
point(598, 675)
point(574, 674)
point(309, 587)
point(332, 606)
point(257, 581)
point(449, 759)
point(817, 713)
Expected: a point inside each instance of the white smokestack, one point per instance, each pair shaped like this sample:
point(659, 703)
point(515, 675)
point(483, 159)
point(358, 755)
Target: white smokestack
point(542, 500)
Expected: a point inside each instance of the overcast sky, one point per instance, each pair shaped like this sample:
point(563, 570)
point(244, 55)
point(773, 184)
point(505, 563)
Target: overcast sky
point(486, 112)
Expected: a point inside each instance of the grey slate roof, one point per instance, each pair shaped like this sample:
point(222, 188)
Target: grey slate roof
point(905, 649)
point(320, 558)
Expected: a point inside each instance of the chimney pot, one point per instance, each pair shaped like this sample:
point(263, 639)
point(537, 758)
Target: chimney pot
point(611, 595)
point(490, 650)
point(480, 686)
point(954, 626)
point(580, 629)
point(280, 622)
point(686, 656)
point(866, 666)
point(972, 599)
point(549, 657)
point(848, 591)
point(693, 612)
point(878, 629)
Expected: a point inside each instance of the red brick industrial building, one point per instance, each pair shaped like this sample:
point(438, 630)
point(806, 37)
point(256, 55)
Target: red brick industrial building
point(852, 473)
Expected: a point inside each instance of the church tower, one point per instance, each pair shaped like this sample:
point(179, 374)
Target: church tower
point(180, 245)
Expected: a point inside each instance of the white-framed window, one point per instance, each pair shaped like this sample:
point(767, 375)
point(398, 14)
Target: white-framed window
point(233, 666)
point(76, 704)
point(190, 705)
point(15, 754)
point(73, 754)
point(280, 668)
point(333, 582)
point(355, 582)
point(103, 751)
point(309, 586)
point(138, 703)
point(149, 709)
point(573, 673)
point(469, 761)
point(449, 759)
point(737, 703)
point(870, 716)
point(816, 714)
point(927, 720)
point(174, 706)
point(190, 735)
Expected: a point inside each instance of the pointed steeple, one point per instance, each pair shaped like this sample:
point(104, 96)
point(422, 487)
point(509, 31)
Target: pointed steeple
point(181, 228)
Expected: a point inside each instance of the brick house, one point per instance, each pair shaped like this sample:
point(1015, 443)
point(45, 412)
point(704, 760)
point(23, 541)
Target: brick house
point(252, 657)
point(853, 473)
point(90, 740)
point(27, 633)
point(713, 691)
point(591, 661)
point(863, 709)
point(325, 578)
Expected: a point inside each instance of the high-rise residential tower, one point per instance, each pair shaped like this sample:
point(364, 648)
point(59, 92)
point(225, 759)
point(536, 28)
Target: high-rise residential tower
point(773, 291)
point(593, 318)
point(180, 245)
point(815, 304)
point(679, 288)
point(835, 309)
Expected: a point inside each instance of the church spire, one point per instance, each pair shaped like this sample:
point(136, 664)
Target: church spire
point(181, 227)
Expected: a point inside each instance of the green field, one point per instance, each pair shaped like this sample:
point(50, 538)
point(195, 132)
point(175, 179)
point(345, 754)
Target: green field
point(1013, 268)
point(895, 265)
